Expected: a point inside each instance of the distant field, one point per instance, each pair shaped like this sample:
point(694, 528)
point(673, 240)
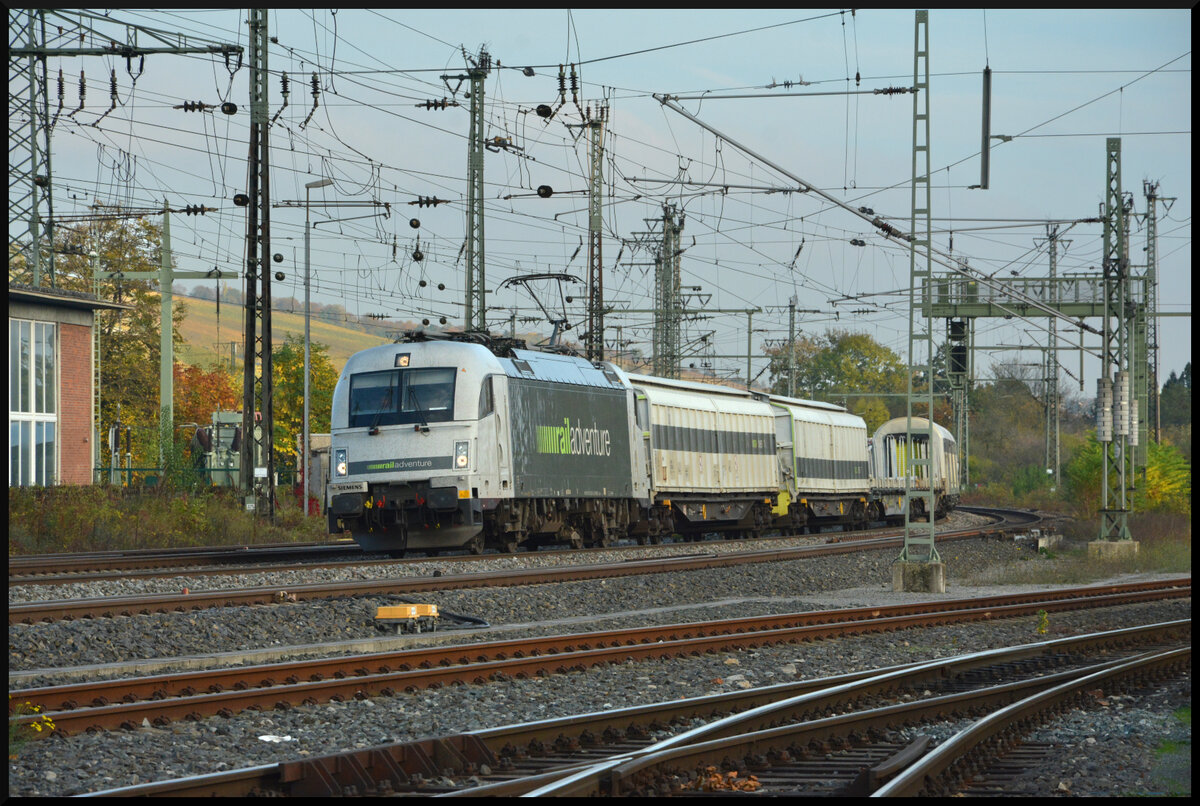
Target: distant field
point(199, 331)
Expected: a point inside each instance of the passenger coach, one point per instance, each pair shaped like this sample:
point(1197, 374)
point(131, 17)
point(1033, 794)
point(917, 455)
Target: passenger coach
point(892, 461)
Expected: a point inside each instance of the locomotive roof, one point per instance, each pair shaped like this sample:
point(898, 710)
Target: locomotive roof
point(559, 368)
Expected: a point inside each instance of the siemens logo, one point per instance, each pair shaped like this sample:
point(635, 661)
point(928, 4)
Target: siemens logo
point(573, 440)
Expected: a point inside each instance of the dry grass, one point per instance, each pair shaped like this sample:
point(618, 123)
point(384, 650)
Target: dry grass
point(1165, 547)
point(73, 519)
point(199, 331)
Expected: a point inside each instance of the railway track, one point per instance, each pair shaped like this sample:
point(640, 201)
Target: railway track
point(159, 699)
point(53, 610)
point(53, 569)
point(833, 736)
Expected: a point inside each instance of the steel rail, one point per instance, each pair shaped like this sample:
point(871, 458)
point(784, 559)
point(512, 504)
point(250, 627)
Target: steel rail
point(753, 737)
point(160, 707)
point(53, 569)
point(68, 696)
point(1010, 720)
point(52, 610)
point(412, 766)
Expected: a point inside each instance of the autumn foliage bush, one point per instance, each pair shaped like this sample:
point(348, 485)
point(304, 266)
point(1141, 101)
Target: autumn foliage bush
point(46, 520)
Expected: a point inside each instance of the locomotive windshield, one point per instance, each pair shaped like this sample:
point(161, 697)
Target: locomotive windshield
point(399, 396)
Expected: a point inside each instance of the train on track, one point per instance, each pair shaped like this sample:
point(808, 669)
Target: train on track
point(467, 441)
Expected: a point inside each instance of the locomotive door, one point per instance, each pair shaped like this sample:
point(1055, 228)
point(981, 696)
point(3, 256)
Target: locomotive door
point(642, 414)
point(503, 428)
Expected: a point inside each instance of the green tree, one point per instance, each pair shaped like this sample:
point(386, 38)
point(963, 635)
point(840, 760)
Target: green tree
point(1167, 486)
point(129, 340)
point(1175, 401)
point(1006, 430)
point(841, 362)
point(288, 392)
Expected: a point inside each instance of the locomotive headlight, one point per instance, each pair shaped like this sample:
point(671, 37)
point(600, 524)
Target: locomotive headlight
point(340, 464)
point(461, 457)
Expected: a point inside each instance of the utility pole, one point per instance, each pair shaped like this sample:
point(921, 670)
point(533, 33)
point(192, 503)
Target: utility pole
point(166, 275)
point(595, 329)
point(96, 376)
point(257, 436)
point(1112, 398)
point(30, 180)
point(920, 547)
point(1153, 415)
point(666, 297)
point(30, 197)
point(476, 305)
point(1052, 400)
point(791, 365)
point(749, 344)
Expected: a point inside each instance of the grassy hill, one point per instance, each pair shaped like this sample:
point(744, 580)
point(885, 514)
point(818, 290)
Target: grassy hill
point(200, 333)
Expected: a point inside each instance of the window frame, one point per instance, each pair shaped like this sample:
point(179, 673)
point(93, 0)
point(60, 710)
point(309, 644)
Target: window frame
point(34, 398)
point(401, 390)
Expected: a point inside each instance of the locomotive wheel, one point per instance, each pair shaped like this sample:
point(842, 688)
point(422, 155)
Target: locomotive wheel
point(475, 544)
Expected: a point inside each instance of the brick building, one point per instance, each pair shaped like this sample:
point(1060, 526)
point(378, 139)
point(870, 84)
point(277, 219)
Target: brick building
point(50, 385)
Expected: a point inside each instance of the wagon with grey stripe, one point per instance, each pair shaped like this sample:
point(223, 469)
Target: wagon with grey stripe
point(712, 454)
point(823, 465)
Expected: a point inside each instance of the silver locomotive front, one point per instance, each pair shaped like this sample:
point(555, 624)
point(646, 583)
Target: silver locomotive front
point(405, 445)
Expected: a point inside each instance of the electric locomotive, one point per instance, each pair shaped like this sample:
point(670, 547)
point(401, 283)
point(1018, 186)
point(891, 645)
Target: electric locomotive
point(442, 444)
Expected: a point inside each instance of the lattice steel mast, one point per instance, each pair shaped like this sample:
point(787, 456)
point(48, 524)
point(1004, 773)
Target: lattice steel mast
point(667, 311)
point(476, 305)
point(595, 326)
point(257, 437)
point(1112, 398)
point(919, 542)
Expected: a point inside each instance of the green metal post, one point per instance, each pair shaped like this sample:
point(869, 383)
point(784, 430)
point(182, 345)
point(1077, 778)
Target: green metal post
point(920, 541)
point(166, 358)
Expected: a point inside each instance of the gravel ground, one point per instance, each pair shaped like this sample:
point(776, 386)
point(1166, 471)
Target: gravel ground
point(386, 570)
point(1120, 760)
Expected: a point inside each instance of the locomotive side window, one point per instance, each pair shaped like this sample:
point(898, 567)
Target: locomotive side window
point(400, 396)
point(487, 403)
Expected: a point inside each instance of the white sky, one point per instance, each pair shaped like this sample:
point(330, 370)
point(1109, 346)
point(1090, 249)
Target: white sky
point(1081, 76)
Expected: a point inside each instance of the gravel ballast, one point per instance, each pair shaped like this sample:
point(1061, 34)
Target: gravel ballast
point(1130, 730)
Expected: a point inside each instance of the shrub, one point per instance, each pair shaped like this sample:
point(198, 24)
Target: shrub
point(97, 518)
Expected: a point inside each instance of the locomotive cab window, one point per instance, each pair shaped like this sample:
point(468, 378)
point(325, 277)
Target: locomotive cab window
point(401, 396)
point(487, 403)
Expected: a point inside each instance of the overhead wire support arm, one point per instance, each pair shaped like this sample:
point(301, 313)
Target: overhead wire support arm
point(169, 42)
point(876, 221)
point(879, 91)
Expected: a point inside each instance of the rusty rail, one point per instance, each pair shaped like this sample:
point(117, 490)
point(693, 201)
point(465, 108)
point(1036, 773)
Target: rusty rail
point(163, 698)
point(107, 607)
point(558, 752)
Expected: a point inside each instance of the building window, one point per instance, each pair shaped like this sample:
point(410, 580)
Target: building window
point(32, 402)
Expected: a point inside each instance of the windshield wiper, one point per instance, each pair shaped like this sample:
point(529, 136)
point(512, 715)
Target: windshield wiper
point(387, 401)
point(420, 411)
